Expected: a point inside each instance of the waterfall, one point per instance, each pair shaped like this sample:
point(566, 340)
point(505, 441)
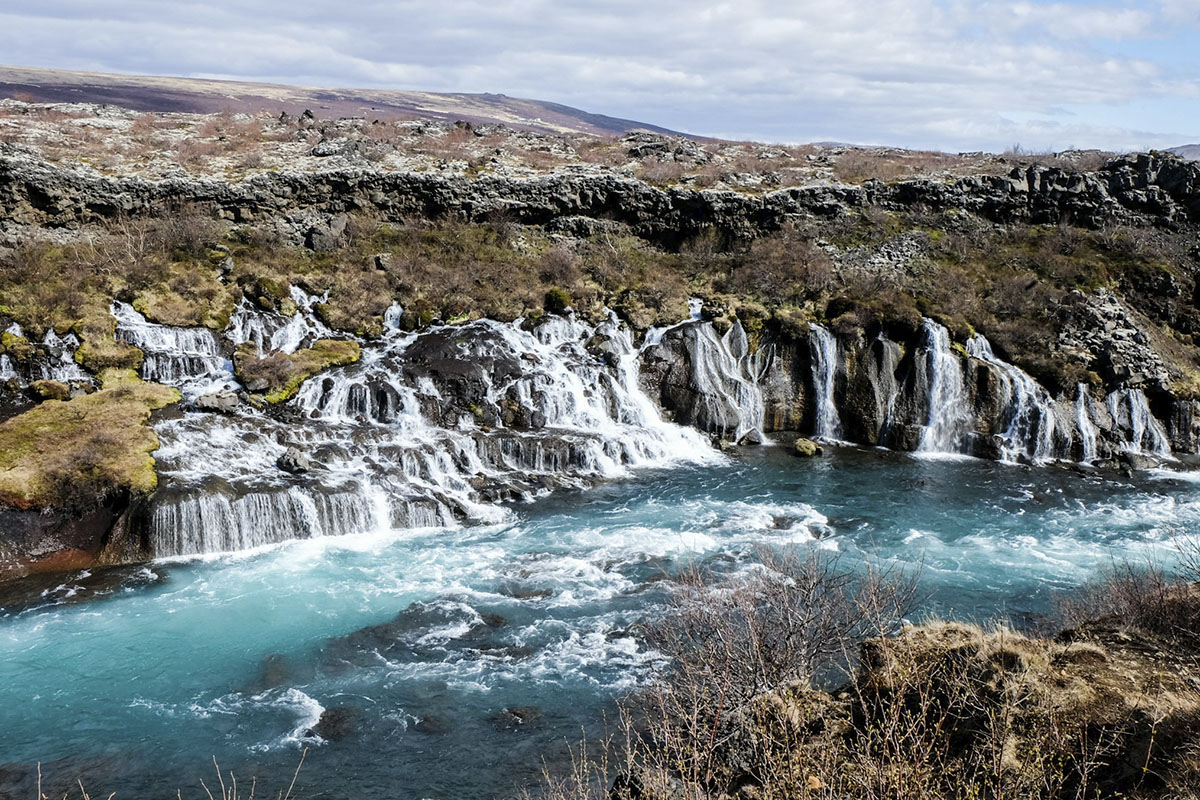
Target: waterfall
point(174, 356)
point(391, 317)
point(59, 361)
point(1087, 428)
point(7, 371)
point(426, 429)
point(1130, 409)
point(270, 331)
point(824, 349)
point(726, 377)
point(1028, 417)
point(948, 401)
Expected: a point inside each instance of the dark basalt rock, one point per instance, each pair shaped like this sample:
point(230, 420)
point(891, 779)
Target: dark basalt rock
point(338, 722)
point(224, 402)
point(36, 192)
point(55, 541)
point(295, 461)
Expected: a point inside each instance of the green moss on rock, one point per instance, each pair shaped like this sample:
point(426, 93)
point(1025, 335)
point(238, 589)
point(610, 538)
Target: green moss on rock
point(51, 390)
point(17, 347)
point(278, 376)
point(71, 454)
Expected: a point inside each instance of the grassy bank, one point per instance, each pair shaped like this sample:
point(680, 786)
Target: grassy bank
point(71, 454)
point(1009, 282)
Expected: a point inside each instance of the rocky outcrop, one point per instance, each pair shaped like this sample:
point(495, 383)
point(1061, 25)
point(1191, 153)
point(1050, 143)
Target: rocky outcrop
point(1103, 332)
point(1161, 187)
point(35, 541)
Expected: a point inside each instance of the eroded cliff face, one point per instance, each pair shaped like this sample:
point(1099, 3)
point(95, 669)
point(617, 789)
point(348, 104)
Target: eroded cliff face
point(921, 394)
point(33, 192)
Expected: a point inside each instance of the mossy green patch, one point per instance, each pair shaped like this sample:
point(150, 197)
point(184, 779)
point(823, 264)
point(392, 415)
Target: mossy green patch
point(17, 347)
point(51, 390)
point(71, 454)
point(278, 376)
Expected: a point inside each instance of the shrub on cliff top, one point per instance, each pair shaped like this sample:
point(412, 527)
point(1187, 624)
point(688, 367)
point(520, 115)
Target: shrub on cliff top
point(72, 454)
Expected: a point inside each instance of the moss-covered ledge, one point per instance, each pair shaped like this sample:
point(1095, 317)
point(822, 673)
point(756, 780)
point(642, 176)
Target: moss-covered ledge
point(70, 455)
point(278, 375)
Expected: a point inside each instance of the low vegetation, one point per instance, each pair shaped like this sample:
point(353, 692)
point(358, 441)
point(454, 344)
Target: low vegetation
point(799, 683)
point(69, 454)
point(862, 272)
point(278, 375)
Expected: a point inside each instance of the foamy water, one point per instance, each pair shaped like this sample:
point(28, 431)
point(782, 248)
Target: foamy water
point(135, 679)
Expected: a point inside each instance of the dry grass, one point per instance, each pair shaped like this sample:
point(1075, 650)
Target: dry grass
point(278, 376)
point(939, 711)
point(69, 454)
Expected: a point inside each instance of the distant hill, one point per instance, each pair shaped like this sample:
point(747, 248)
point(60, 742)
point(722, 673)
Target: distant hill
point(1191, 151)
point(156, 93)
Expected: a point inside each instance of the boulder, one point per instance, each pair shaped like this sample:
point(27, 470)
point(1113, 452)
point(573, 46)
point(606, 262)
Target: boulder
point(295, 461)
point(806, 448)
point(223, 402)
point(336, 723)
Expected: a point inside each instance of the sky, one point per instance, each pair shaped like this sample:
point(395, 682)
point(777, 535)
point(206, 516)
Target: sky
point(953, 75)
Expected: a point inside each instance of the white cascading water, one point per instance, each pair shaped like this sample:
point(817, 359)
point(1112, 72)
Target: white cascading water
point(59, 362)
point(271, 331)
point(171, 355)
point(824, 350)
point(384, 462)
point(948, 402)
point(7, 370)
point(1130, 409)
point(1087, 427)
point(726, 375)
point(1028, 415)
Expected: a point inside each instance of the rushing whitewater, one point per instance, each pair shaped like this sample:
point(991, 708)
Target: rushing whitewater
point(825, 357)
point(948, 403)
point(425, 431)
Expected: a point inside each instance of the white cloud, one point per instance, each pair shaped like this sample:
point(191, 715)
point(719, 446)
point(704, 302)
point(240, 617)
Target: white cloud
point(958, 74)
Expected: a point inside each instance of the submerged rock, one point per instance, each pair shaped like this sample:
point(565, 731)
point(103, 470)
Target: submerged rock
point(515, 717)
point(337, 723)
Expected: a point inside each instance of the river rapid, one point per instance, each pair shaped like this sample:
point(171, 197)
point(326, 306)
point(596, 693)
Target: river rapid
point(134, 679)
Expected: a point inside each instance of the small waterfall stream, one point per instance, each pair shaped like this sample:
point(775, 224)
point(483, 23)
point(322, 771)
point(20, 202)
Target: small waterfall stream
point(724, 372)
point(1131, 411)
point(174, 356)
point(273, 331)
point(1028, 418)
point(948, 402)
point(1086, 425)
point(59, 362)
point(825, 358)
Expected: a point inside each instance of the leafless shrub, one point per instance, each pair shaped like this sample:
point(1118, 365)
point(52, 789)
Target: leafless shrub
point(195, 152)
point(1149, 597)
point(662, 173)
